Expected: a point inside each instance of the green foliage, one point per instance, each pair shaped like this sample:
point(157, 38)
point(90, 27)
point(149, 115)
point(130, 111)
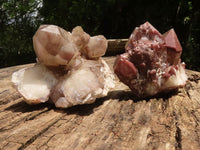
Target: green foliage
point(19, 19)
point(18, 25)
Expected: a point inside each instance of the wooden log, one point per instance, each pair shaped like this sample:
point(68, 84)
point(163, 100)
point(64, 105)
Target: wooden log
point(117, 121)
point(116, 46)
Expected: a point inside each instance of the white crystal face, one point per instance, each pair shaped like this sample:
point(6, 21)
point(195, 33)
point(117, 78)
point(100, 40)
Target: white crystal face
point(34, 83)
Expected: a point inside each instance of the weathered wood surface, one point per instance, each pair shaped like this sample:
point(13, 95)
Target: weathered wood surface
point(116, 46)
point(117, 121)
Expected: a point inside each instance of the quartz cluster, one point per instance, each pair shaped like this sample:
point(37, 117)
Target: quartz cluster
point(151, 63)
point(69, 69)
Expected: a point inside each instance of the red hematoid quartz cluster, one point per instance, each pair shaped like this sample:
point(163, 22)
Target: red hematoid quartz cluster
point(152, 62)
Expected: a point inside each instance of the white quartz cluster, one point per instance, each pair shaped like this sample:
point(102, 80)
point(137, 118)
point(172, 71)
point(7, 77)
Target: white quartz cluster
point(69, 71)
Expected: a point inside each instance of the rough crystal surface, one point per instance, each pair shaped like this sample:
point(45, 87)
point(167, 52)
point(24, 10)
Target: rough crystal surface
point(152, 62)
point(69, 71)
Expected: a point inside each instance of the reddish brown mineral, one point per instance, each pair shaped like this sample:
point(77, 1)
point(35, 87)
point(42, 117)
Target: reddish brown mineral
point(174, 48)
point(151, 63)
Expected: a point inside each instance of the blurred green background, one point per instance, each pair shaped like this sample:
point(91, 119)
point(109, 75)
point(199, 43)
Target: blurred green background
point(19, 20)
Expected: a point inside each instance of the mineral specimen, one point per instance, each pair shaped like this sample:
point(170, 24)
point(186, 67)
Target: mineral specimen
point(69, 71)
point(152, 62)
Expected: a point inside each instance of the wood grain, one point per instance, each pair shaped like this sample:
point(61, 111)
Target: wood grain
point(117, 121)
point(116, 46)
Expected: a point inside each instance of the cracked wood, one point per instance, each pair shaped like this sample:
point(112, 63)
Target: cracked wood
point(117, 121)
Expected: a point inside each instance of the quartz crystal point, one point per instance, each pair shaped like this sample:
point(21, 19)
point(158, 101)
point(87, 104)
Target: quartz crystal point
point(54, 46)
